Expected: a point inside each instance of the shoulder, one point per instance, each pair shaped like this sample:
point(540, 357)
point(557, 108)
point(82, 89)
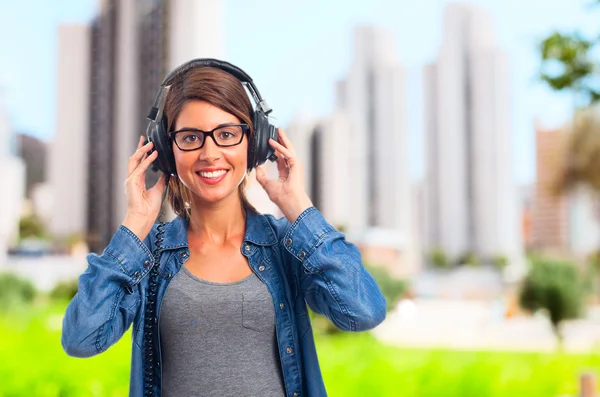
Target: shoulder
point(279, 225)
point(308, 222)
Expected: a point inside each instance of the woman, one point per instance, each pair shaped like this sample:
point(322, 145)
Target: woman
point(217, 296)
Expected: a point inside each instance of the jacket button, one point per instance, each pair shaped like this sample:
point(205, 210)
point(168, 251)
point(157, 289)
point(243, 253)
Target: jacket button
point(168, 276)
point(289, 350)
point(146, 264)
point(288, 242)
point(183, 253)
point(136, 274)
point(247, 248)
point(281, 306)
point(296, 394)
point(302, 254)
point(261, 268)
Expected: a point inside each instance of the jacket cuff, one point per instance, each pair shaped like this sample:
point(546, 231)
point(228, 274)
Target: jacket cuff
point(305, 235)
point(131, 253)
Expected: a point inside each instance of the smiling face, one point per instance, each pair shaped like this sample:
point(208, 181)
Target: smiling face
point(200, 170)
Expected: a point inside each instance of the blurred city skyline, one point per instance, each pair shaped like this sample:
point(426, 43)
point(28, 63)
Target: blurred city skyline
point(281, 53)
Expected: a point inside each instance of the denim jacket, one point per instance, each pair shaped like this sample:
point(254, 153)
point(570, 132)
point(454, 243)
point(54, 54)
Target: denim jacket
point(308, 262)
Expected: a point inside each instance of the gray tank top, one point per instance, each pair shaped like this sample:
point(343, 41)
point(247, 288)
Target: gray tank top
point(218, 339)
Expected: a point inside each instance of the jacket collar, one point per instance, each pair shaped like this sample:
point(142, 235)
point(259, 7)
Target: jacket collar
point(258, 231)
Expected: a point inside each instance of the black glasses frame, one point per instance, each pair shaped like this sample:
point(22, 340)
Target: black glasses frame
point(245, 130)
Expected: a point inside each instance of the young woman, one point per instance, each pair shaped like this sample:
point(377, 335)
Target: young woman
point(218, 296)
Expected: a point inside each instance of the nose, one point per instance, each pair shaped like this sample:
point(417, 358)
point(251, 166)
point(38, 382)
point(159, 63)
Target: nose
point(210, 151)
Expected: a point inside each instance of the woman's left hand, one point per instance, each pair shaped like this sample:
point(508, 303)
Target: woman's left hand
point(287, 192)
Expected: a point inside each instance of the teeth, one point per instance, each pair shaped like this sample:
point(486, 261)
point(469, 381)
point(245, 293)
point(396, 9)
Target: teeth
point(214, 174)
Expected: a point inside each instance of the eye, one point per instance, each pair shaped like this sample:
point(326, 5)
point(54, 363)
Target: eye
point(228, 134)
point(190, 138)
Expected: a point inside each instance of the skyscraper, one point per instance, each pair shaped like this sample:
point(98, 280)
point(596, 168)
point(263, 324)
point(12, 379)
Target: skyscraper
point(471, 195)
point(132, 46)
point(322, 145)
point(550, 211)
point(372, 96)
point(562, 222)
point(11, 199)
point(69, 155)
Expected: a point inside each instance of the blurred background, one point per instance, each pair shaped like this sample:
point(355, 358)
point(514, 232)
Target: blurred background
point(456, 143)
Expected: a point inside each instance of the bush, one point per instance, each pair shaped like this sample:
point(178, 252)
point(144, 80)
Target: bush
point(555, 287)
point(15, 291)
point(468, 258)
point(65, 290)
point(438, 259)
point(499, 261)
point(31, 226)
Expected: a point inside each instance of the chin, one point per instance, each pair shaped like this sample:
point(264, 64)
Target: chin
point(212, 194)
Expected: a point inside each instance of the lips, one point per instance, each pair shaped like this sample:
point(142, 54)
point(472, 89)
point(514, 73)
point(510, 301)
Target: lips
point(212, 178)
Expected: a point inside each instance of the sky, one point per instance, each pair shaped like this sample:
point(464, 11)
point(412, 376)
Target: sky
point(296, 51)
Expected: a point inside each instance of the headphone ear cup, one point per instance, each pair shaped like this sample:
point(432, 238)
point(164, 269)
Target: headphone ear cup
point(165, 161)
point(260, 150)
point(252, 144)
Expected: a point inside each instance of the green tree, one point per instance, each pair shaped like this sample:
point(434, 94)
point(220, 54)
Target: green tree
point(570, 63)
point(556, 288)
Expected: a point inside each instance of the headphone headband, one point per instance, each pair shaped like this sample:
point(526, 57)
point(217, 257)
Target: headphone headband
point(227, 67)
point(207, 62)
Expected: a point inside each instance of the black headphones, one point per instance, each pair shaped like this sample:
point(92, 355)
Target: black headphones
point(259, 150)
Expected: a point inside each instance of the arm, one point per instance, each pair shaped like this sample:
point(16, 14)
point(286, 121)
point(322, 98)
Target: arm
point(107, 298)
point(333, 278)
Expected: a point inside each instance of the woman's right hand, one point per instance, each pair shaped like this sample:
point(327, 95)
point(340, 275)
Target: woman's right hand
point(143, 206)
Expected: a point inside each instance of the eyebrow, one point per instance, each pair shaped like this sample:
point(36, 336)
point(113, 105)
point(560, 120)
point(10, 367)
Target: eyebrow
point(197, 129)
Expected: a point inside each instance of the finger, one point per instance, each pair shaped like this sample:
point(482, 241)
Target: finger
point(290, 157)
point(283, 138)
point(141, 168)
point(282, 164)
point(138, 156)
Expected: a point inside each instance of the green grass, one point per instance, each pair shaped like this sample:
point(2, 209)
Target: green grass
point(34, 364)
point(358, 365)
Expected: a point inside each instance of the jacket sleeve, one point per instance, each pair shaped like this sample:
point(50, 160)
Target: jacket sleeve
point(107, 298)
point(333, 279)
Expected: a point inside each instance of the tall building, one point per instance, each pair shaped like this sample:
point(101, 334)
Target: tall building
point(562, 223)
point(131, 46)
point(33, 152)
point(322, 145)
point(356, 158)
point(372, 96)
point(11, 199)
point(472, 202)
point(69, 157)
point(549, 210)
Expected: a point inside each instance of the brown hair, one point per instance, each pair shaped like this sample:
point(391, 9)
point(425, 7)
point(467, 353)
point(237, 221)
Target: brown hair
point(220, 89)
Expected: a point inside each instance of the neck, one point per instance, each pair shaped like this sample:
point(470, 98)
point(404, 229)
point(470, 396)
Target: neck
point(218, 223)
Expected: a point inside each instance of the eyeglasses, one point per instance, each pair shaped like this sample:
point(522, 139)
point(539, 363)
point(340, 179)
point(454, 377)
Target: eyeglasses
point(188, 139)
